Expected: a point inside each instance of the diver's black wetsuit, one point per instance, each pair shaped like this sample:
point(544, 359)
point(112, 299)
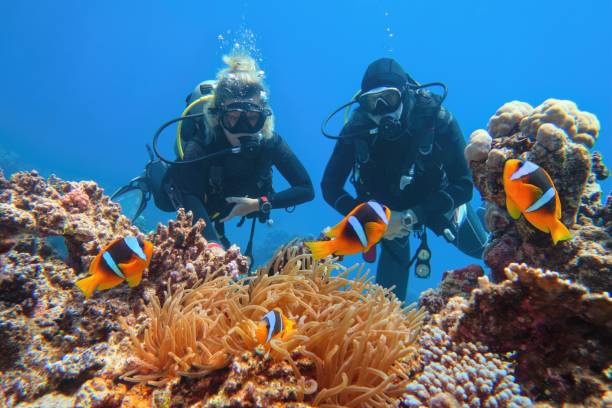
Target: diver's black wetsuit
point(442, 180)
point(205, 185)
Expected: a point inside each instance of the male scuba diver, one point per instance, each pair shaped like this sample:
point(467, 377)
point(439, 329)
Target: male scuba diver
point(402, 149)
point(226, 147)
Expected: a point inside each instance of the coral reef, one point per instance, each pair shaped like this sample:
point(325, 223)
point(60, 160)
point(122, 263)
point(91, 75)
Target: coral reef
point(77, 211)
point(456, 282)
point(50, 339)
point(554, 135)
point(54, 343)
point(561, 333)
point(342, 325)
point(461, 374)
point(181, 256)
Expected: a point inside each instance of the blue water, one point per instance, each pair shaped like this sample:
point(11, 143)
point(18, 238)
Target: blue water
point(85, 84)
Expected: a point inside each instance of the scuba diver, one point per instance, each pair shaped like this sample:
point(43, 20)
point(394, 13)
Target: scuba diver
point(401, 148)
point(226, 147)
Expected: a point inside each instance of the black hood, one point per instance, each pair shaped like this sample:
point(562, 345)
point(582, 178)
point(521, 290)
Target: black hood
point(384, 72)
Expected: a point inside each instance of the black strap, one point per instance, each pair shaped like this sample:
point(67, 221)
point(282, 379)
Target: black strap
point(414, 257)
point(249, 249)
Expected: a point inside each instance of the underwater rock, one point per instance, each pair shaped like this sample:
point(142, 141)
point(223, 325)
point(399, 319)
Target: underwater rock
point(456, 282)
point(461, 374)
point(77, 211)
point(559, 332)
point(553, 136)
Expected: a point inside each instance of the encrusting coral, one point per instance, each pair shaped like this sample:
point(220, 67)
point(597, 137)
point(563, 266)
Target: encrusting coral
point(560, 333)
point(356, 335)
point(555, 136)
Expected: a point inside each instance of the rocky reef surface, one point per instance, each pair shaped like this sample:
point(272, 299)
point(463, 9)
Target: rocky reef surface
point(186, 336)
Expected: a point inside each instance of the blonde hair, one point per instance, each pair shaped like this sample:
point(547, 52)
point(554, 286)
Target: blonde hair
point(240, 78)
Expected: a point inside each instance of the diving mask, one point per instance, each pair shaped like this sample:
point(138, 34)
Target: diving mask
point(243, 117)
point(380, 101)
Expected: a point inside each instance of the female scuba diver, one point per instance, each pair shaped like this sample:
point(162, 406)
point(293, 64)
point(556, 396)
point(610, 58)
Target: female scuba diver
point(226, 147)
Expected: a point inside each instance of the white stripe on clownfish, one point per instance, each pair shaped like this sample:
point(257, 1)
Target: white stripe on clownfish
point(379, 211)
point(132, 243)
point(546, 197)
point(111, 263)
point(273, 318)
point(358, 230)
point(527, 168)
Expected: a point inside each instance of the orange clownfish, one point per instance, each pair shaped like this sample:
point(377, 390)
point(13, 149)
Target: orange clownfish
point(123, 259)
point(359, 231)
point(274, 325)
point(530, 191)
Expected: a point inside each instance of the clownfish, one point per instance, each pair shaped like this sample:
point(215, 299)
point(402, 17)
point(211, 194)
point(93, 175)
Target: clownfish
point(124, 259)
point(274, 325)
point(359, 231)
point(530, 191)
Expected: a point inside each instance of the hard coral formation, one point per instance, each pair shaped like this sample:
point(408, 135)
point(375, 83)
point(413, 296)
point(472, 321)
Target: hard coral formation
point(507, 119)
point(581, 127)
point(50, 339)
point(181, 257)
point(560, 332)
point(554, 136)
point(344, 327)
point(77, 211)
point(456, 282)
point(461, 374)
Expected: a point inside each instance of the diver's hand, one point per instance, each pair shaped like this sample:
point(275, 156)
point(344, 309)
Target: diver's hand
point(396, 227)
point(400, 224)
point(244, 206)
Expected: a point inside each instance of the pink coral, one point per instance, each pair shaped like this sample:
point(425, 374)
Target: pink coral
point(75, 201)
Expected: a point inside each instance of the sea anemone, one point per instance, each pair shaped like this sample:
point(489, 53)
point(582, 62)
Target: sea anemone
point(359, 336)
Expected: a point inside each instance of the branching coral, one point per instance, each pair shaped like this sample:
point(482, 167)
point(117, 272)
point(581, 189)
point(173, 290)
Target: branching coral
point(357, 334)
point(561, 333)
point(554, 136)
point(182, 258)
point(463, 374)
